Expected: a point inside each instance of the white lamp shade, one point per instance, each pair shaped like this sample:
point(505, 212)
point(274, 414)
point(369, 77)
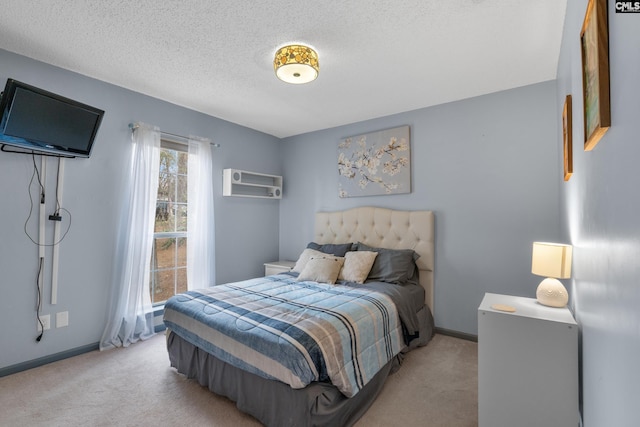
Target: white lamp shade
point(551, 260)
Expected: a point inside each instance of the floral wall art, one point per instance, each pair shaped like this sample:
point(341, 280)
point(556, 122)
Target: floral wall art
point(375, 163)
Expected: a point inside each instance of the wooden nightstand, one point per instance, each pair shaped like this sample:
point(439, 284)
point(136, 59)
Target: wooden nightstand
point(527, 364)
point(277, 267)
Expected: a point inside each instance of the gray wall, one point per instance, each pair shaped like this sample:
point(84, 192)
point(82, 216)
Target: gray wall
point(246, 229)
point(488, 166)
point(601, 217)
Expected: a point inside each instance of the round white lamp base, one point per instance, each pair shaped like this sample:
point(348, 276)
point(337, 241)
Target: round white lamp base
point(552, 293)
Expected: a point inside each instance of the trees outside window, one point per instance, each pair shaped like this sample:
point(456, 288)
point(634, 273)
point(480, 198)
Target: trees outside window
point(169, 255)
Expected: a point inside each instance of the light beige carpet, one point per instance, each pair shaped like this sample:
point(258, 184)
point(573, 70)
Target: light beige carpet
point(436, 386)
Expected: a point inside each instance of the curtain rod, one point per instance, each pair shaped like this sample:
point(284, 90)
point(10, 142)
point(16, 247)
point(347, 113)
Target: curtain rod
point(134, 126)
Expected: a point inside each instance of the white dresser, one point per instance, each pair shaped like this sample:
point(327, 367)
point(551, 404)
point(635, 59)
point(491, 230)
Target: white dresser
point(527, 364)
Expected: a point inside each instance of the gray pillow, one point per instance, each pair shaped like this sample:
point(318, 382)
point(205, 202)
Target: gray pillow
point(391, 265)
point(330, 248)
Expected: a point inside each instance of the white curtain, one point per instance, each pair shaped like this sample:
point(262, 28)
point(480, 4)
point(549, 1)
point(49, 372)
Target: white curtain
point(200, 225)
point(131, 312)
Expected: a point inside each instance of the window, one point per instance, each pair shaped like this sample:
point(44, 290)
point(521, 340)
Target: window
point(169, 253)
point(164, 257)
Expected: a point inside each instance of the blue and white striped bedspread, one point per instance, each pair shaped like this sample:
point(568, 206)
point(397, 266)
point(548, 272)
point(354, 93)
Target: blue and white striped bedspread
point(294, 332)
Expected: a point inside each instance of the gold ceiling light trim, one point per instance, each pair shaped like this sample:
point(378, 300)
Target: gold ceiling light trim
point(296, 64)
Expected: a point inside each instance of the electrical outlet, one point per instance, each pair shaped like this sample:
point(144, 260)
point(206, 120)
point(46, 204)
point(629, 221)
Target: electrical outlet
point(46, 323)
point(62, 319)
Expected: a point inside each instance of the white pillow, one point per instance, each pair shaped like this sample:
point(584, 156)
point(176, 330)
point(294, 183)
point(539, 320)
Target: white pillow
point(304, 258)
point(323, 269)
point(357, 265)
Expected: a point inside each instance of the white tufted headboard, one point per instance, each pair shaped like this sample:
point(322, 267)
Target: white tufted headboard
point(384, 228)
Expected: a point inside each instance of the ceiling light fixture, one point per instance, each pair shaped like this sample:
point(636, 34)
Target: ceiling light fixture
point(296, 64)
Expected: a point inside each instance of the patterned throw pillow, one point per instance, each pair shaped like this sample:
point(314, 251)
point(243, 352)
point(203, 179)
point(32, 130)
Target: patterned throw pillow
point(357, 266)
point(324, 269)
point(304, 258)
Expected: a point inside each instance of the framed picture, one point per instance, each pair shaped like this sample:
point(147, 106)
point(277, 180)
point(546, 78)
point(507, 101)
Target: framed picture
point(567, 143)
point(594, 40)
point(375, 163)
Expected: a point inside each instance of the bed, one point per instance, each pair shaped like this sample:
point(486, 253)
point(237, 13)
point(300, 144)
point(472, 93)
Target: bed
point(294, 349)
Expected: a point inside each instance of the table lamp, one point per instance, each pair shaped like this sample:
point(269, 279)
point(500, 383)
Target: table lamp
point(553, 261)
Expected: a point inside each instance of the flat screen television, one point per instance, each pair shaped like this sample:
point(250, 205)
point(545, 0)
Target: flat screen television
point(38, 120)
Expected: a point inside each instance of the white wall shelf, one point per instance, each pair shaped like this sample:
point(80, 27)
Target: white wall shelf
point(239, 183)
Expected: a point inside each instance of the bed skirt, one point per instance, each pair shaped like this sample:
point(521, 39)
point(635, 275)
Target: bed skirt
point(274, 403)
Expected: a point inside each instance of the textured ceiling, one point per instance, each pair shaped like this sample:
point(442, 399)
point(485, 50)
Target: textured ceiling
point(376, 57)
